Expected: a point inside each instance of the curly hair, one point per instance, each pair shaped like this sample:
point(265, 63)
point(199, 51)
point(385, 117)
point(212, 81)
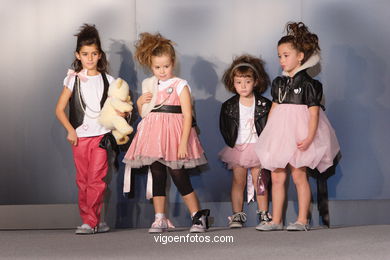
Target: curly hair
point(150, 45)
point(88, 35)
point(247, 66)
point(301, 39)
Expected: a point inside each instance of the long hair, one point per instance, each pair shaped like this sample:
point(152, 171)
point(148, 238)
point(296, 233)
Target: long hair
point(301, 39)
point(150, 45)
point(88, 35)
point(247, 66)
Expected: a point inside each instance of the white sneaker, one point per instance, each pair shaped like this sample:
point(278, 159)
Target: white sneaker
point(85, 229)
point(171, 227)
point(159, 225)
point(103, 227)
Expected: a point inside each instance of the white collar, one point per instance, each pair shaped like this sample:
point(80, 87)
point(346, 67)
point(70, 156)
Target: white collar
point(164, 82)
point(311, 62)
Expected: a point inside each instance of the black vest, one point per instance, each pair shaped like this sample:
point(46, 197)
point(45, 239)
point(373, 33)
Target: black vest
point(76, 111)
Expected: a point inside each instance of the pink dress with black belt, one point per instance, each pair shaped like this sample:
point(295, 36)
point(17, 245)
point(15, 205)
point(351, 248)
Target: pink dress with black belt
point(159, 133)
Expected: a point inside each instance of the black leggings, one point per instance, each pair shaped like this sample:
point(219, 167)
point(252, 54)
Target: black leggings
point(179, 176)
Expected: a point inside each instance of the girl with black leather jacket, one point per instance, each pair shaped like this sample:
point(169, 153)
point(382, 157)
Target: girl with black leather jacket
point(242, 119)
point(298, 135)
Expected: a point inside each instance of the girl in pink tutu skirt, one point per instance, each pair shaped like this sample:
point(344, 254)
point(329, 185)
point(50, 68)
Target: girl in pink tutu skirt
point(165, 139)
point(242, 119)
point(298, 134)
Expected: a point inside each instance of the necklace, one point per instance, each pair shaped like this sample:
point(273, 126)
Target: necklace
point(282, 97)
point(81, 98)
point(169, 92)
point(250, 123)
point(249, 137)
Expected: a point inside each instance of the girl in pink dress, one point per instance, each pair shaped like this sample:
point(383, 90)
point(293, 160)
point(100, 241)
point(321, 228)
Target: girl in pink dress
point(165, 139)
point(298, 136)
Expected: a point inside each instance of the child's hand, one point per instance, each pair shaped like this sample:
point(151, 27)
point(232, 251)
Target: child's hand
point(145, 98)
point(303, 145)
point(122, 114)
point(182, 153)
point(72, 137)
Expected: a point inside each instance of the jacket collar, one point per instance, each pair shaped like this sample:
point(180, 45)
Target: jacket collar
point(235, 101)
point(311, 62)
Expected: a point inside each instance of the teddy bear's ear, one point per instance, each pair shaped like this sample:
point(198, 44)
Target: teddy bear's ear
point(119, 82)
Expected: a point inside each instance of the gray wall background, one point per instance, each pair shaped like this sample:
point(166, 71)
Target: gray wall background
point(37, 46)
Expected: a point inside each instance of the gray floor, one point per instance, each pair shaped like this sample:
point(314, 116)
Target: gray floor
point(359, 242)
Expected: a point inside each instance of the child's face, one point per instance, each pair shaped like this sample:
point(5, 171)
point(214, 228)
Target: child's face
point(89, 56)
point(162, 67)
point(244, 85)
point(289, 58)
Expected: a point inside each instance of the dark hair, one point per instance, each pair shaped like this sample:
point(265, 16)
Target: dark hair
point(89, 35)
point(301, 39)
point(236, 69)
point(150, 45)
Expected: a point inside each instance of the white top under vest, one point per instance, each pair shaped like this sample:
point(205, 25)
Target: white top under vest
point(92, 92)
point(246, 130)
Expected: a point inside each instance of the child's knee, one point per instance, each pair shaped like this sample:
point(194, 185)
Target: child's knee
point(239, 183)
point(300, 178)
point(278, 178)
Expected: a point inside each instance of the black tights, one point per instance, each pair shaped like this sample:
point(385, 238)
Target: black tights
point(179, 176)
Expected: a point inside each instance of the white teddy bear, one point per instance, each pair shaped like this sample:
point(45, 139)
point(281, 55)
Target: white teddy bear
point(118, 100)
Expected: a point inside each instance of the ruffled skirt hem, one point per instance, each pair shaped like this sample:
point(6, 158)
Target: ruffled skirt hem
point(141, 161)
point(286, 127)
point(242, 155)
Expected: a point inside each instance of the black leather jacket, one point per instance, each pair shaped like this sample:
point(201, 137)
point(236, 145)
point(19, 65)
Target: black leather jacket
point(76, 113)
point(300, 89)
point(229, 117)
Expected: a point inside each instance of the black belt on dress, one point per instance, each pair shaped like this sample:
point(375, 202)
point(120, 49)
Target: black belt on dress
point(171, 109)
point(168, 109)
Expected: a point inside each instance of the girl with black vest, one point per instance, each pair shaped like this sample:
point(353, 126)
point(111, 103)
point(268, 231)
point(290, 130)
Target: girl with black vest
point(242, 119)
point(85, 90)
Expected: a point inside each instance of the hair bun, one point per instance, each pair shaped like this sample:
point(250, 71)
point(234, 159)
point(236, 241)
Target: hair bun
point(299, 35)
point(150, 45)
point(88, 31)
point(89, 35)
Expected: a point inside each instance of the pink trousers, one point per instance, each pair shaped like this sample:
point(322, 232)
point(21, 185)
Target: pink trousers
point(91, 168)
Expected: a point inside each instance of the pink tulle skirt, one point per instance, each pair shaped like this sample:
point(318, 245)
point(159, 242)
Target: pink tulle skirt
point(287, 126)
point(157, 139)
point(242, 155)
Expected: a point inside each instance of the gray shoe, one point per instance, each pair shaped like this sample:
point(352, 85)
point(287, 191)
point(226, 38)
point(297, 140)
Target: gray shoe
point(270, 226)
point(85, 229)
point(103, 227)
point(237, 220)
point(297, 226)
